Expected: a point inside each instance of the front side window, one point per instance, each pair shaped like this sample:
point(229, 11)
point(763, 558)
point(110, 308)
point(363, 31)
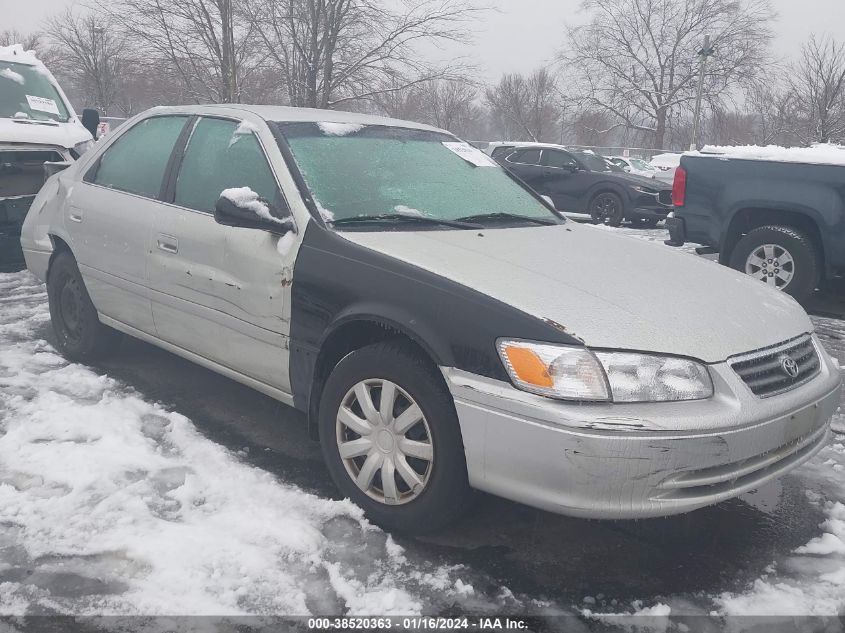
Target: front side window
point(224, 154)
point(136, 162)
point(374, 170)
point(27, 92)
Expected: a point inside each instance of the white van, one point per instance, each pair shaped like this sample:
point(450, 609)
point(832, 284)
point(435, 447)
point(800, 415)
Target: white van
point(37, 125)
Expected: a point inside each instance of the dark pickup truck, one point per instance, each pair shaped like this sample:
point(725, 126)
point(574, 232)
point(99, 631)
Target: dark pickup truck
point(781, 222)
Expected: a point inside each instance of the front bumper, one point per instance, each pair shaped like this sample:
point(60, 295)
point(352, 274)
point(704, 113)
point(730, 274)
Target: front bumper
point(638, 460)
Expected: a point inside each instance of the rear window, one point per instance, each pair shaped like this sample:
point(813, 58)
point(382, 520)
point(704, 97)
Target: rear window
point(26, 92)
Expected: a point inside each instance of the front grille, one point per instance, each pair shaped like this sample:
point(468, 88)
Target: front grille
point(767, 371)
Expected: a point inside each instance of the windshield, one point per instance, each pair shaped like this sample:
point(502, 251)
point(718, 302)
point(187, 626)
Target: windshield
point(374, 170)
point(26, 92)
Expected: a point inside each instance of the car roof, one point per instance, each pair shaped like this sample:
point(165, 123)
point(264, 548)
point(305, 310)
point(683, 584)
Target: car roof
point(285, 113)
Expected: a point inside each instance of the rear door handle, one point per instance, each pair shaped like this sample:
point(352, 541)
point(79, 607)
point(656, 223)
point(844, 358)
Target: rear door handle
point(168, 244)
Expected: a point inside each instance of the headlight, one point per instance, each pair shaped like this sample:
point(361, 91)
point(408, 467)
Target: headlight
point(644, 190)
point(80, 148)
point(576, 373)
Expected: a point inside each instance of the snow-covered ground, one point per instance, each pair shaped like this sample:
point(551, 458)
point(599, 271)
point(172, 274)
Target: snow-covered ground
point(113, 505)
point(110, 503)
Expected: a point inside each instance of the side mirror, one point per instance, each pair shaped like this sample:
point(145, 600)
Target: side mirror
point(91, 121)
point(243, 208)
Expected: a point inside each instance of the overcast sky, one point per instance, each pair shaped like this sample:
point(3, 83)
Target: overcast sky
point(524, 34)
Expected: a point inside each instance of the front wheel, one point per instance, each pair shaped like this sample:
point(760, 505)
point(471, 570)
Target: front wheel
point(780, 256)
point(607, 208)
point(391, 439)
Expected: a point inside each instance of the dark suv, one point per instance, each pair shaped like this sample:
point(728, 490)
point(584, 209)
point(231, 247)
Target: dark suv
point(580, 181)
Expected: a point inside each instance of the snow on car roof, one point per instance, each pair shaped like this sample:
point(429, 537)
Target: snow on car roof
point(18, 54)
point(820, 154)
point(666, 160)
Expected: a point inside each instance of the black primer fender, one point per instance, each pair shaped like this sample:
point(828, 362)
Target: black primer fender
point(336, 282)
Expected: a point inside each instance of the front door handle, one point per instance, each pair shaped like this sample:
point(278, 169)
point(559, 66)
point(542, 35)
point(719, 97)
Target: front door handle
point(168, 244)
point(75, 216)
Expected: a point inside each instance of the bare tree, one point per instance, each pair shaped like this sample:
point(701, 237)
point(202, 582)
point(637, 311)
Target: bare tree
point(206, 43)
point(526, 108)
point(451, 105)
point(93, 55)
point(638, 59)
point(817, 83)
point(335, 51)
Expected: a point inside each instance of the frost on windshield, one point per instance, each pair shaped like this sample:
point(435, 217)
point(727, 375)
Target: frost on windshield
point(246, 198)
point(339, 129)
point(245, 128)
point(8, 73)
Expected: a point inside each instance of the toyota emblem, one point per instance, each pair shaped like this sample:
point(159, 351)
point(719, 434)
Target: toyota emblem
point(789, 366)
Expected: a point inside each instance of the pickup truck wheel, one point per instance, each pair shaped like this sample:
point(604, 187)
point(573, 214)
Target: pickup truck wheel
point(780, 256)
point(391, 439)
point(79, 334)
point(607, 208)
point(646, 223)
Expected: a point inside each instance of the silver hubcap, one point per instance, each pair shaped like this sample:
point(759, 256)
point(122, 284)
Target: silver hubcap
point(384, 441)
point(771, 263)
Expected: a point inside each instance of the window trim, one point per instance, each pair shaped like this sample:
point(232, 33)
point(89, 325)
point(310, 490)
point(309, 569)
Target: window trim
point(525, 149)
point(91, 173)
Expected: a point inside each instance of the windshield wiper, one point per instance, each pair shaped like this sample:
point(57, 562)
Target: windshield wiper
point(392, 217)
point(506, 217)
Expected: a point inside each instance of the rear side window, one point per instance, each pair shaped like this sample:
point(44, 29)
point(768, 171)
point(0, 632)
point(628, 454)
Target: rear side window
point(137, 160)
point(525, 157)
point(223, 154)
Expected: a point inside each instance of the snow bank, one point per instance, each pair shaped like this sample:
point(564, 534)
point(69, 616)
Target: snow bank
point(812, 580)
point(339, 129)
point(821, 154)
point(110, 504)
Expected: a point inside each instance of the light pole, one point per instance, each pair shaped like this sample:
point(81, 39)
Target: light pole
point(705, 52)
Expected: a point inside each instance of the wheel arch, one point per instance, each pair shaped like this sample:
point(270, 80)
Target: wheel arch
point(355, 331)
point(747, 219)
point(60, 245)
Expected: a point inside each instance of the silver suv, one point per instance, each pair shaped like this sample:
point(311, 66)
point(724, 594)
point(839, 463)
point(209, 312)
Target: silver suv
point(443, 328)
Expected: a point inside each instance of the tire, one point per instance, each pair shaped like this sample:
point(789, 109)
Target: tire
point(646, 223)
point(607, 207)
point(791, 253)
point(441, 493)
point(80, 336)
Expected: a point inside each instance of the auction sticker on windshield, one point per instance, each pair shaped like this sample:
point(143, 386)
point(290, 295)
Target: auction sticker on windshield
point(470, 154)
point(42, 104)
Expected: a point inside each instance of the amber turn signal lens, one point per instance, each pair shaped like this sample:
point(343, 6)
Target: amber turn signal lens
point(528, 367)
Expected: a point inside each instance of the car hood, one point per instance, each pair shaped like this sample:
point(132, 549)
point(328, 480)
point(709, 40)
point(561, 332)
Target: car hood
point(607, 290)
point(62, 135)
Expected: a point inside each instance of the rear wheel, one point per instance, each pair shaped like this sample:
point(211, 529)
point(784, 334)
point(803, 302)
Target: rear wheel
point(607, 208)
point(780, 256)
point(391, 439)
point(79, 334)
